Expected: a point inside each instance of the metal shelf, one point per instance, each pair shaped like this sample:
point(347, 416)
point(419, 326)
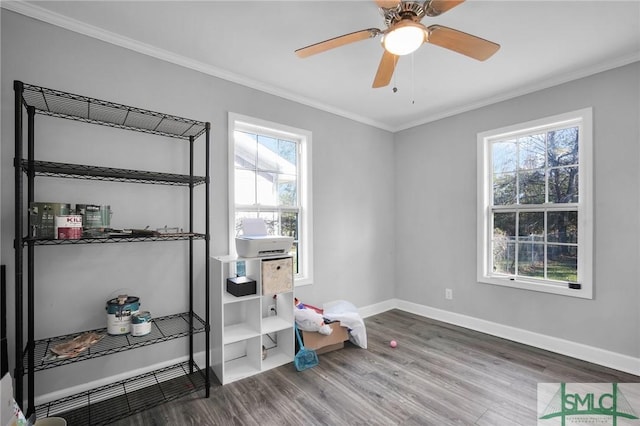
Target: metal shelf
point(121, 399)
point(79, 171)
point(162, 329)
point(122, 239)
point(115, 401)
point(89, 110)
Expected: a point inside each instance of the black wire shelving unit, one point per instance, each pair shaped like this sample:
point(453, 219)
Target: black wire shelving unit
point(119, 239)
point(162, 329)
point(80, 171)
point(118, 400)
point(123, 398)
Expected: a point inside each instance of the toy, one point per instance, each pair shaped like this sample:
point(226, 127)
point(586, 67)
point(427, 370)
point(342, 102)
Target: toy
point(393, 343)
point(310, 320)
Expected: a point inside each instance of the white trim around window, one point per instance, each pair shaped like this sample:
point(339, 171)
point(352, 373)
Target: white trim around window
point(304, 207)
point(582, 287)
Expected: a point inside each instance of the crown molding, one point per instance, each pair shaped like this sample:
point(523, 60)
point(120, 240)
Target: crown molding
point(45, 15)
point(524, 90)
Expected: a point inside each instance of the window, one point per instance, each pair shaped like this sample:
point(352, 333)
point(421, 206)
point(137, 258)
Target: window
point(535, 222)
point(270, 178)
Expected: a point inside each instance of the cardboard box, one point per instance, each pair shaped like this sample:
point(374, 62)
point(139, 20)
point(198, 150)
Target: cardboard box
point(321, 343)
point(241, 286)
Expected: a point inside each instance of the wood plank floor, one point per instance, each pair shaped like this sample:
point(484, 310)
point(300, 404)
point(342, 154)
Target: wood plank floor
point(439, 374)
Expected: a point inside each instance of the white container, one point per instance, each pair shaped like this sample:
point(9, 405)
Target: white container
point(119, 313)
point(68, 227)
point(141, 323)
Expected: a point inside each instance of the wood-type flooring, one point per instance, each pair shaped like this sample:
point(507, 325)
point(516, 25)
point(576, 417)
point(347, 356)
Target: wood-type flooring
point(439, 374)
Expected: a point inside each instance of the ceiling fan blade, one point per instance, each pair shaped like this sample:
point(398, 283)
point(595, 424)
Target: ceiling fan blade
point(438, 7)
point(466, 44)
point(387, 4)
point(337, 42)
point(385, 69)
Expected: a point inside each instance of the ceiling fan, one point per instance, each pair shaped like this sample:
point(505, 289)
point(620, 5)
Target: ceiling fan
point(404, 34)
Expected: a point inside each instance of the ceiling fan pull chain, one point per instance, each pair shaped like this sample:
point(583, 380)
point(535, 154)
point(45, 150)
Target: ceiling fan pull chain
point(395, 85)
point(413, 81)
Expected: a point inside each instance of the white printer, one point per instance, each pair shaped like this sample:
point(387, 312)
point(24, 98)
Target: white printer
point(254, 241)
point(262, 245)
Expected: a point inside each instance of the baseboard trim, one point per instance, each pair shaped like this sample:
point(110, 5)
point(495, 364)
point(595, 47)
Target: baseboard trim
point(599, 356)
point(198, 358)
point(378, 308)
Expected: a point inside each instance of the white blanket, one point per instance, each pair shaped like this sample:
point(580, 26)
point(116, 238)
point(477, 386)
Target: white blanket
point(347, 314)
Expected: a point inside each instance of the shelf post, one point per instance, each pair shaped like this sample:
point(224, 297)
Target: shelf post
point(191, 150)
point(31, 113)
point(207, 261)
point(18, 88)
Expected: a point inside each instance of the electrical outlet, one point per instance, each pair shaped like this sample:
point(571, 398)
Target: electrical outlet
point(272, 310)
point(448, 294)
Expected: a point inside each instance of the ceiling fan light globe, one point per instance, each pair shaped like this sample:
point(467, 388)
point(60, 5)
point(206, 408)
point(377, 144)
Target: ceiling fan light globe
point(404, 39)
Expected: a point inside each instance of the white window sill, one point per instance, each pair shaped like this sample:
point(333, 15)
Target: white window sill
point(539, 286)
point(301, 282)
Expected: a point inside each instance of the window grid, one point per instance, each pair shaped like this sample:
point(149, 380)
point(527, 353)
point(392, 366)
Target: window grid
point(270, 177)
point(537, 180)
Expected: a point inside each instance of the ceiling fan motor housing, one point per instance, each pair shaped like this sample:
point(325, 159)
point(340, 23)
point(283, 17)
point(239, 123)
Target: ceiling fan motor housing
point(404, 10)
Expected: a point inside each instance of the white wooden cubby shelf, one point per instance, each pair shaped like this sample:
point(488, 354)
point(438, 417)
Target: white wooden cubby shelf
point(243, 326)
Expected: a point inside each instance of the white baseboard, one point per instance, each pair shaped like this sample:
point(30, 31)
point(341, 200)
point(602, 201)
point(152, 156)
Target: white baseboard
point(580, 351)
point(378, 308)
point(198, 358)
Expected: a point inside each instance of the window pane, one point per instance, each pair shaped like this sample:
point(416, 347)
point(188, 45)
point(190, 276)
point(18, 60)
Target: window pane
point(504, 256)
point(268, 143)
point(504, 189)
point(562, 227)
point(267, 157)
point(531, 187)
point(562, 263)
point(245, 187)
point(563, 185)
point(531, 226)
point(532, 150)
point(276, 155)
point(245, 152)
point(241, 215)
point(287, 190)
point(531, 260)
point(504, 225)
point(504, 248)
point(504, 156)
point(288, 150)
point(289, 226)
point(266, 188)
point(563, 147)
point(272, 221)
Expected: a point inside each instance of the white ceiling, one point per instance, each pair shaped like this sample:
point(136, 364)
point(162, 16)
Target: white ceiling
point(543, 43)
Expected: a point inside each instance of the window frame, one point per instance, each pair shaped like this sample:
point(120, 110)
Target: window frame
point(305, 211)
point(582, 118)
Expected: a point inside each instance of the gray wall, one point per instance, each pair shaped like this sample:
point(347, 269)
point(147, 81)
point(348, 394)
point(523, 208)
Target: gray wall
point(352, 175)
point(359, 194)
point(436, 195)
